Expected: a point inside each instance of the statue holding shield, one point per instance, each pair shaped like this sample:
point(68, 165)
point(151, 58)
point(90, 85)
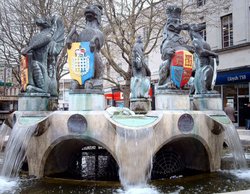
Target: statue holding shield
point(85, 63)
point(177, 57)
point(38, 62)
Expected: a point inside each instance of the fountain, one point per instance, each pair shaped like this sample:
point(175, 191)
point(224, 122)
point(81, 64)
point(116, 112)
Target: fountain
point(90, 143)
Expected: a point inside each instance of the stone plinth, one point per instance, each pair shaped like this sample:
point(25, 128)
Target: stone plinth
point(207, 102)
point(140, 105)
point(82, 100)
point(33, 102)
point(172, 100)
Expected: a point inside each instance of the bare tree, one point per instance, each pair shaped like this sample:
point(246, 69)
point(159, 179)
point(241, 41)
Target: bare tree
point(125, 20)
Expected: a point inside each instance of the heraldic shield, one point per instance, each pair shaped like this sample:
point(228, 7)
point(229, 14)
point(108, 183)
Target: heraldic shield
point(81, 62)
point(181, 68)
point(24, 72)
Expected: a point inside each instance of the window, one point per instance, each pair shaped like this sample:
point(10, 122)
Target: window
point(203, 32)
point(201, 3)
point(227, 31)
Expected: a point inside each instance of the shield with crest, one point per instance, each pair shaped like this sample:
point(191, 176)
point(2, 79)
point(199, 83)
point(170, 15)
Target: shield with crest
point(24, 72)
point(81, 62)
point(181, 68)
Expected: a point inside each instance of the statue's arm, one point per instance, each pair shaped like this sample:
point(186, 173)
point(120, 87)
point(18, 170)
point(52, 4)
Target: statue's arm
point(206, 53)
point(148, 72)
point(37, 43)
point(72, 37)
point(96, 42)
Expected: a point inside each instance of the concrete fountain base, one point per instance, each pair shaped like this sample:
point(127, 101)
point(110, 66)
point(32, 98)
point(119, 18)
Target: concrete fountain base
point(131, 140)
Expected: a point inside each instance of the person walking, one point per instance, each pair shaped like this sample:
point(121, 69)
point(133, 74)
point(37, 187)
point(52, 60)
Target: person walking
point(229, 110)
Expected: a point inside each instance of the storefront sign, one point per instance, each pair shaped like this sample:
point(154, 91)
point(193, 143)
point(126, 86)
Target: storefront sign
point(233, 77)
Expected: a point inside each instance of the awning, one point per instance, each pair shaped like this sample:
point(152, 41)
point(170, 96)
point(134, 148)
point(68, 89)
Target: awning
point(233, 76)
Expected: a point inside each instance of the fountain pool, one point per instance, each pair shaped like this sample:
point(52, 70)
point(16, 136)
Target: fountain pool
point(218, 182)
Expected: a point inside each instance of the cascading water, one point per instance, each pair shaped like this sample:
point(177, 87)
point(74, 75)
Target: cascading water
point(15, 149)
point(133, 150)
point(4, 130)
point(233, 140)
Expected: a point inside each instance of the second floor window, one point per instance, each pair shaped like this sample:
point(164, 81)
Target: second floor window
point(201, 3)
point(227, 31)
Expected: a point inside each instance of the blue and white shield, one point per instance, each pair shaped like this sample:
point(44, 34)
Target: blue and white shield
point(81, 62)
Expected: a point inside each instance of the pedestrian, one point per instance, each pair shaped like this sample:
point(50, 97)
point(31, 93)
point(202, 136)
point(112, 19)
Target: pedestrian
point(229, 110)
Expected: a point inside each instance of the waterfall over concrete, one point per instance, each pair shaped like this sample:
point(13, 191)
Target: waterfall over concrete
point(4, 130)
point(233, 141)
point(15, 149)
point(134, 149)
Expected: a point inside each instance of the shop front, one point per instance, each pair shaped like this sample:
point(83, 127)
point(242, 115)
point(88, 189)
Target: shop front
point(234, 86)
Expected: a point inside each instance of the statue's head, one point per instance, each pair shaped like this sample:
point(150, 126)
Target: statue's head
point(43, 22)
point(93, 12)
point(173, 12)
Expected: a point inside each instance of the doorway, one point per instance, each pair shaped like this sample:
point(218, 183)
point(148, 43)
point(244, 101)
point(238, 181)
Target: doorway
point(244, 110)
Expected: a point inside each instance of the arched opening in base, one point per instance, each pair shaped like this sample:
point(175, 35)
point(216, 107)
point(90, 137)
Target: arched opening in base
point(182, 156)
point(81, 160)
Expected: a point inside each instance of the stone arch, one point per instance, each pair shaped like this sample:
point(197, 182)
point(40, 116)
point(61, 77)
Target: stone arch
point(66, 152)
point(181, 155)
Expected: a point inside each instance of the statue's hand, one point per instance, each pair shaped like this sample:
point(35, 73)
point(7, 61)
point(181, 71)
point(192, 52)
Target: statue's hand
point(217, 60)
point(24, 51)
point(69, 45)
point(191, 49)
point(92, 46)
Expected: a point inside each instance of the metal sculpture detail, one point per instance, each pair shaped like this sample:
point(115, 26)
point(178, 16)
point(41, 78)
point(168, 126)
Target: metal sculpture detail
point(172, 42)
point(39, 58)
point(140, 81)
point(206, 61)
point(92, 36)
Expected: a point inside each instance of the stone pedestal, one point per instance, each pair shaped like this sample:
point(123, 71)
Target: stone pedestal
point(172, 100)
point(207, 102)
point(82, 100)
point(33, 102)
point(140, 105)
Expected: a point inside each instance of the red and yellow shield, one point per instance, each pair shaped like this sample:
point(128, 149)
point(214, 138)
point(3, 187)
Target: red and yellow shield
point(24, 72)
point(181, 68)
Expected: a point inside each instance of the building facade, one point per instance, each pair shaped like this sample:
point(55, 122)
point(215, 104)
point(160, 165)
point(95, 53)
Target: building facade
point(231, 40)
point(228, 33)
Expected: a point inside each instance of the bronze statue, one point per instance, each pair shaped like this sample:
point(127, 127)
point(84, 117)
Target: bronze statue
point(91, 33)
point(42, 53)
point(205, 61)
point(172, 41)
point(140, 81)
